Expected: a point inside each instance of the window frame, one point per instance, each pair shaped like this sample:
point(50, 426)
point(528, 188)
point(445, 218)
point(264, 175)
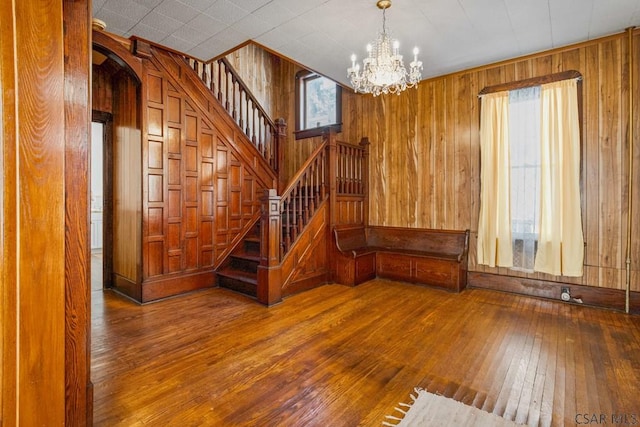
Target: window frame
point(301, 103)
point(538, 81)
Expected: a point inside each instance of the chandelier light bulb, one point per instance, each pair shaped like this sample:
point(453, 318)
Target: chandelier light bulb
point(383, 71)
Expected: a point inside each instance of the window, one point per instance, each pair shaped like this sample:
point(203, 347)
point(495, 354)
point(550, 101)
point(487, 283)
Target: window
point(318, 105)
point(530, 216)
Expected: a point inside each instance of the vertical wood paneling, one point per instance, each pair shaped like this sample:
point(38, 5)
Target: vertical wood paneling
point(9, 285)
point(635, 227)
point(446, 183)
point(127, 175)
point(611, 166)
point(33, 214)
point(79, 399)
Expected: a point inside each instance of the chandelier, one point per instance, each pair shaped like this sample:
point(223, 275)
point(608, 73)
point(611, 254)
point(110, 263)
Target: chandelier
point(383, 70)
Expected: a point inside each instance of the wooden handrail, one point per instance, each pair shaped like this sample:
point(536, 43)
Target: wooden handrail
point(230, 90)
point(303, 168)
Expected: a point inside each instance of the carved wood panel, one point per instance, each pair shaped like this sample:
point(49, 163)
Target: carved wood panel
point(200, 195)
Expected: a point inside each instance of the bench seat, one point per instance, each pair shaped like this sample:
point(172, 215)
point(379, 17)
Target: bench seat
point(432, 257)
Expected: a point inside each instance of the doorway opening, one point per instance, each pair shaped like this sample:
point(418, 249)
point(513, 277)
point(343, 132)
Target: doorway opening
point(101, 201)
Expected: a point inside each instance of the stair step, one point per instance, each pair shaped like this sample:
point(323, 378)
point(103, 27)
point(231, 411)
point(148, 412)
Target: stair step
point(251, 244)
point(239, 281)
point(249, 256)
point(244, 276)
point(245, 263)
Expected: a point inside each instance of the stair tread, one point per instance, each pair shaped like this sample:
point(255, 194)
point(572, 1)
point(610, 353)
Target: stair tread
point(252, 239)
point(247, 256)
point(243, 276)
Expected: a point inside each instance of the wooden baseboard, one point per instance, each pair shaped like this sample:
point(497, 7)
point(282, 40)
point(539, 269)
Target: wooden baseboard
point(126, 287)
point(167, 287)
point(306, 283)
point(590, 295)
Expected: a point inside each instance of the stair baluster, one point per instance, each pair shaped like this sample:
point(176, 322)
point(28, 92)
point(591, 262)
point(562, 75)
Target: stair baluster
point(242, 106)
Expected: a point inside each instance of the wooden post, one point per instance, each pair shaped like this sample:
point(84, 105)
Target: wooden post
point(281, 142)
point(332, 166)
point(269, 290)
point(364, 143)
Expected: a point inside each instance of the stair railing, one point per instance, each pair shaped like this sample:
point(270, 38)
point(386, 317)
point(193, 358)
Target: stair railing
point(234, 95)
point(334, 169)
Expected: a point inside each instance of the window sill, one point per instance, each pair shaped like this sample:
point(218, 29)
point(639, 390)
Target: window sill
point(319, 131)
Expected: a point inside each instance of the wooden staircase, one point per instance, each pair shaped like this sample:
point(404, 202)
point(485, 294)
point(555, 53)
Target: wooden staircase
point(288, 249)
point(240, 271)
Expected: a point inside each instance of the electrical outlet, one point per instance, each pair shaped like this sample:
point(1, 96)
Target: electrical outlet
point(565, 294)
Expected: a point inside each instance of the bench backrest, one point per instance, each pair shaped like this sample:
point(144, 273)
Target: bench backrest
point(450, 242)
point(350, 238)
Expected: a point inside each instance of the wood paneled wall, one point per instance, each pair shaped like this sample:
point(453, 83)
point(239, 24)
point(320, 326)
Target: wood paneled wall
point(425, 156)
point(127, 180)
point(200, 190)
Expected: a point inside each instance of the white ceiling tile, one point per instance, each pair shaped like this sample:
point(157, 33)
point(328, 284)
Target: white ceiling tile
point(161, 22)
point(605, 18)
point(176, 43)
point(116, 23)
point(226, 11)
point(177, 10)
point(570, 20)
point(148, 3)
point(531, 23)
point(132, 10)
point(251, 26)
point(194, 36)
point(205, 24)
point(250, 5)
point(274, 14)
point(274, 38)
point(452, 34)
point(299, 7)
point(150, 33)
point(97, 5)
point(200, 5)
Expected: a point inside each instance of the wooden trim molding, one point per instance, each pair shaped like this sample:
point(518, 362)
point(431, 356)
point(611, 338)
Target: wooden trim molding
point(535, 81)
point(118, 53)
point(590, 295)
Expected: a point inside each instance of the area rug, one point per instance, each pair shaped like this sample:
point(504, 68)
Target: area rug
point(428, 409)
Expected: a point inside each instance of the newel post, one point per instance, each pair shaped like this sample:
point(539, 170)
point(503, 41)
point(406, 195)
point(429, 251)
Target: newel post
point(269, 290)
point(281, 138)
point(364, 143)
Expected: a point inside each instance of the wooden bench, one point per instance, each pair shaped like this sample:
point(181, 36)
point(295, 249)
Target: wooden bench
point(431, 257)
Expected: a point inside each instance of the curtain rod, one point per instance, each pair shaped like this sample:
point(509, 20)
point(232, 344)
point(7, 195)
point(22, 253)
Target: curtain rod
point(535, 81)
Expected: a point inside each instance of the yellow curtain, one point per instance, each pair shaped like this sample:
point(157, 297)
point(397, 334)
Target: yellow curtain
point(560, 244)
point(494, 225)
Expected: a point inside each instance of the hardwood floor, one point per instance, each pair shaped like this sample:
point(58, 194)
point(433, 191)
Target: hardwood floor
point(346, 356)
